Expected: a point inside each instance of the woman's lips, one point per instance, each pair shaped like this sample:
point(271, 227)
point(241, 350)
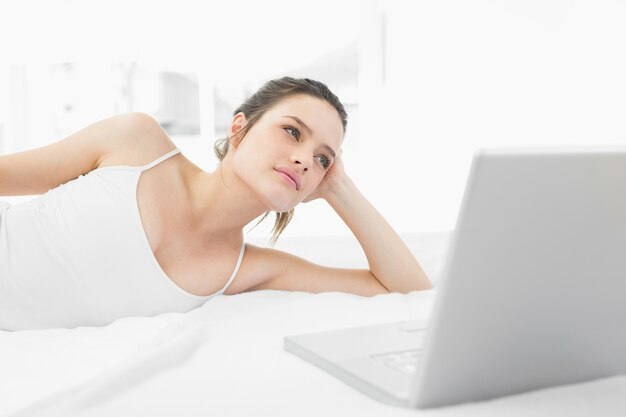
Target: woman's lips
point(290, 176)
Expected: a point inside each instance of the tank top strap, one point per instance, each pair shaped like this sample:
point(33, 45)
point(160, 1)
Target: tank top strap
point(159, 160)
point(237, 265)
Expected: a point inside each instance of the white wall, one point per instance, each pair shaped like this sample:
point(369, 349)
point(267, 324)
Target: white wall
point(468, 74)
point(438, 78)
point(462, 75)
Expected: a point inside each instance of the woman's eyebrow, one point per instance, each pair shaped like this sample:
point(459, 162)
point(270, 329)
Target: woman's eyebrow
point(301, 123)
point(330, 150)
point(308, 129)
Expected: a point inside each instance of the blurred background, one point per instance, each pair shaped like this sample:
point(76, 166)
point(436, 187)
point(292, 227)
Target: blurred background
point(425, 83)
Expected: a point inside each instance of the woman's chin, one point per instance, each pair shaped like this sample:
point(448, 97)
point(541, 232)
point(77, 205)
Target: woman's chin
point(279, 201)
point(282, 208)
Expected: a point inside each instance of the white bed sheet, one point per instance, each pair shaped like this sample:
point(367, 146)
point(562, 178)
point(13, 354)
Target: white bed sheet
point(226, 358)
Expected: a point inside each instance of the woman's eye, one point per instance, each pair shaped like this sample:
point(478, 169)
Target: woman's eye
point(325, 162)
point(293, 132)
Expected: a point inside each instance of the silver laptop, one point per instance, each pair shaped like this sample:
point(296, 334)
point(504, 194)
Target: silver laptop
point(532, 295)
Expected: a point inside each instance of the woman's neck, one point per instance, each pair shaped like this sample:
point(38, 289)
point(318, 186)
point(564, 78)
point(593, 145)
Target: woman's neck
point(220, 203)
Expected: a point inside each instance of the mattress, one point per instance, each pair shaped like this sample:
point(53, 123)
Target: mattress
point(226, 358)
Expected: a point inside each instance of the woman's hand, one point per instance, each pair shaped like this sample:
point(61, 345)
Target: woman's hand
point(331, 181)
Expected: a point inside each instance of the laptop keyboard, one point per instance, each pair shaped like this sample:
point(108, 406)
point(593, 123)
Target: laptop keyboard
point(404, 361)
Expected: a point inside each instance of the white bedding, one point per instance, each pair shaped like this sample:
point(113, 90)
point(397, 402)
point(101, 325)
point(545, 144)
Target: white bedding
point(227, 359)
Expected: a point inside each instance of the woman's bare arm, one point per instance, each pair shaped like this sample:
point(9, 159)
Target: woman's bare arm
point(389, 259)
point(38, 170)
point(392, 266)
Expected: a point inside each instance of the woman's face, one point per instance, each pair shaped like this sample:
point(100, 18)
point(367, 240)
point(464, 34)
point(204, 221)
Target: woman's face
point(285, 155)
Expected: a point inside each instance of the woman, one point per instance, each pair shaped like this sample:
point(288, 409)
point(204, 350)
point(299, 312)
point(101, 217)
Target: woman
point(132, 227)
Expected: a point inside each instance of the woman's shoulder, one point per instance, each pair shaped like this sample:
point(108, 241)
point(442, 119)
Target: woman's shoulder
point(140, 139)
point(127, 139)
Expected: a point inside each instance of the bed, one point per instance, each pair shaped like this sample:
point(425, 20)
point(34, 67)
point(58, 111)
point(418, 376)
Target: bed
point(226, 358)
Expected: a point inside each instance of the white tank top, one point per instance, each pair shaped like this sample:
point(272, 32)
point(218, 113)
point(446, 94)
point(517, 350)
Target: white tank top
point(78, 256)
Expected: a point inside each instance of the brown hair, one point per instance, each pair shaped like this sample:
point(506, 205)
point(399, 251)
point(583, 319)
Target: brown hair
point(264, 99)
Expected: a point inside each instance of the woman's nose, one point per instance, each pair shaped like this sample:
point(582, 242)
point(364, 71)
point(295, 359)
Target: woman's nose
point(300, 162)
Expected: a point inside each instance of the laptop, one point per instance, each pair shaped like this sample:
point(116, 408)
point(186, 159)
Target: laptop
point(532, 293)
